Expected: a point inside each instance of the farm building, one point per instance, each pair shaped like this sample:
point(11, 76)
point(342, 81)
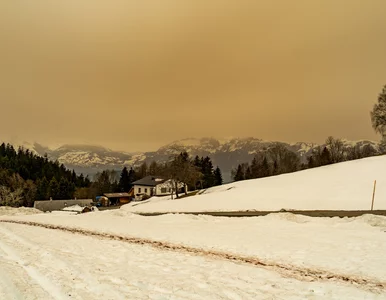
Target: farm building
point(154, 186)
point(118, 198)
point(51, 205)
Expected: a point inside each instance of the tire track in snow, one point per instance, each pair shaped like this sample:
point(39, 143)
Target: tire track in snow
point(304, 274)
point(41, 280)
point(7, 286)
point(58, 267)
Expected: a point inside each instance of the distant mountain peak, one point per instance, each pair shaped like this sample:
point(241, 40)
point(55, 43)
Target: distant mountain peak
point(83, 147)
point(226, 153)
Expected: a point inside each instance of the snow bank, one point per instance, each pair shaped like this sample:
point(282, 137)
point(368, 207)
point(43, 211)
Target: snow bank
point(73, 208)
point(375, 221)
point(63, 212)
point(17, 211)
point(343, 186)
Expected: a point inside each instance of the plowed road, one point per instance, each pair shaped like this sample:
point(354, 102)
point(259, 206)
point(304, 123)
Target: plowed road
point(40, 263)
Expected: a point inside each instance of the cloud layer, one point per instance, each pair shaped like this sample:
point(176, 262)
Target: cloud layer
point(133, 75)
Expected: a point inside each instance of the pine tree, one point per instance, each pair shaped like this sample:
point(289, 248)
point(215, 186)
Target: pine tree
point(34, 171)
point(73, 177)
point(124, 181)
point(254, 168)
point(132, 177)
point(197, 162)
point(104, 182)
point(64, 191)
point(239, 174)
point(115, 187)
point(2, 150)
point(71, 190)
point(207, 171)
point(248, 173)
point(80, 181)
point(265, 170)
point(325, 157)
point(53, 189)
point(87, 181)
point(217, 177)
point(142, 171)
point(42, 189)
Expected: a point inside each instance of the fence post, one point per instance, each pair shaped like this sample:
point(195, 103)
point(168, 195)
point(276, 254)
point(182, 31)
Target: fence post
point(372, 203)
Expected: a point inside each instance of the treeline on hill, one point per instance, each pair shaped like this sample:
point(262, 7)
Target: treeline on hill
point(26, 177)
point(280, 160)
point(197, 173)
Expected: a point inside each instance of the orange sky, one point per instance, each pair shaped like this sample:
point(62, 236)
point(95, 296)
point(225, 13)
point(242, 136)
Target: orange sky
point(133, 75)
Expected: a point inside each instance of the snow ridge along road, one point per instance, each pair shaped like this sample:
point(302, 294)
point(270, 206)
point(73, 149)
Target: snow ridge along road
point(286, 270)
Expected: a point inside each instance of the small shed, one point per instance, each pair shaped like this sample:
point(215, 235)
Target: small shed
point(118, 198)
point(51, 205)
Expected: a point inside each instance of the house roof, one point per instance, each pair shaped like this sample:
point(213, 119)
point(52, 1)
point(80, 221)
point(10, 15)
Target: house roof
point(151, 180)
point(116, 195)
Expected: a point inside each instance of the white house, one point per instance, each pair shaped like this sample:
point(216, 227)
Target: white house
point(155, 186)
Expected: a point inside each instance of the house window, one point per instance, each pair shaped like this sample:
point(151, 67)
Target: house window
point(139, 190)
point(170, 190)
point(163, 190)
point(145, 191)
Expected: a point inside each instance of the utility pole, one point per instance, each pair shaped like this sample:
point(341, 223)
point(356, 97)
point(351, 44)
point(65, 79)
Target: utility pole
point(372, 203)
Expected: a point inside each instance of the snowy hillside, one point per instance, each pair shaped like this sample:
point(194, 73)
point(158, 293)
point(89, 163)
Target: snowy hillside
point(343, 186)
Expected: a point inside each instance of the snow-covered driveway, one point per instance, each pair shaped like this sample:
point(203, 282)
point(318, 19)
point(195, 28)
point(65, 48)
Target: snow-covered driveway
point(39, 263)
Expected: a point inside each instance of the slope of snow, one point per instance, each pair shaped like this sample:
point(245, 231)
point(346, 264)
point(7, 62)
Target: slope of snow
point(37, 263)
point(343, 186)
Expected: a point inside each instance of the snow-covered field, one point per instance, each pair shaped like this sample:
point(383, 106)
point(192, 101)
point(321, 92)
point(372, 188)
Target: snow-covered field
point(117, 254)
point(343, 186)
point(293, 249)
point(38, 263)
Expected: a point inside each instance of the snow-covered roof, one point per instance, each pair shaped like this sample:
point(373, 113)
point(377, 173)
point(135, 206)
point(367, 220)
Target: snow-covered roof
point(51, 205)
point(150, 180)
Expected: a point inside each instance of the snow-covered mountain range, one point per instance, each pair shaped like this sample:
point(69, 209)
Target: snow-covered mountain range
point(226, 153)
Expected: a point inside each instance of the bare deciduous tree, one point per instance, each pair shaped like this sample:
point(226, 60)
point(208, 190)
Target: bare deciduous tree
point(9, 198)
point(284, 160)
point(378, 117)
point(182, 171)
point(337, 149)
